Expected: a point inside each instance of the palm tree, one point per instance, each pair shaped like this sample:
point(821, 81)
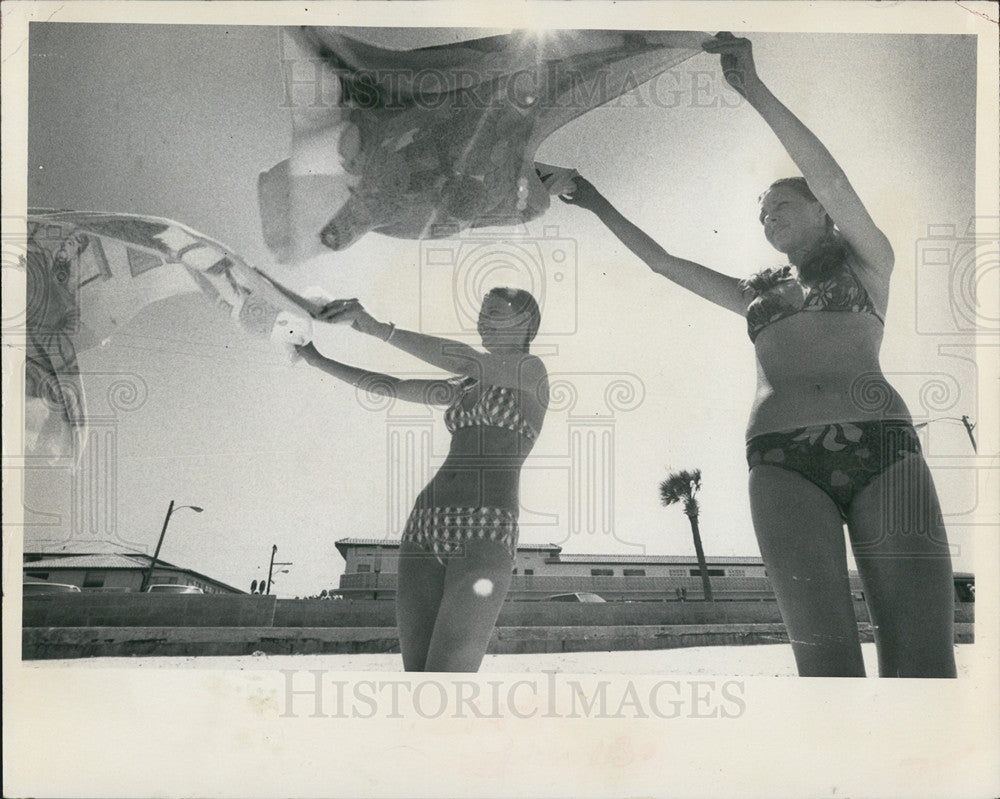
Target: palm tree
point(680, 486)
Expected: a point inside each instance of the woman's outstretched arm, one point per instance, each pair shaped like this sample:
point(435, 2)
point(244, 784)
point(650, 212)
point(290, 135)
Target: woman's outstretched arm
point(823, 174)
point(714, 286)
point(524, 374)
point(427, 392)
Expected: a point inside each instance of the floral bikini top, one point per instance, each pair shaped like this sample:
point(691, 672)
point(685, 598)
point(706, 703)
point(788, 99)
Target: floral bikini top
point(777, 294)
point(497, 406)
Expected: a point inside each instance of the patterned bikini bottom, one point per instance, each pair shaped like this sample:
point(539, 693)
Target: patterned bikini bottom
point(841, 459)
point(444, 530)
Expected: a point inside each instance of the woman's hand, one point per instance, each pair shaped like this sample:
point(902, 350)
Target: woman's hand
point(309, 354)
point(584, 195)
point(338, 312)
point(737, 60)
point(342, 312)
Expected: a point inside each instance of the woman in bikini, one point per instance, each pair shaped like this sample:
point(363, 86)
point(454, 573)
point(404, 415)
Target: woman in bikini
point(457, 551)
point(829, 441)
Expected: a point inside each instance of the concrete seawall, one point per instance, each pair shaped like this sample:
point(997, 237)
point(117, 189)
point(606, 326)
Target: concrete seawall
point(122, 625)
point(145, 610)
point(40, 643)
point(69, 642)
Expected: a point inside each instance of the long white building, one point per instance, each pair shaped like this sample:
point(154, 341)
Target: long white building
point(543, 570)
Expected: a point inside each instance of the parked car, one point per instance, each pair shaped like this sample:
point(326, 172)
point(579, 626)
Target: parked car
point(42, 588)
point(173, 588)
point(579, 596)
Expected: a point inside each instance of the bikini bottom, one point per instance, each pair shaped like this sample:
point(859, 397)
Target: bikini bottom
point(841, 459)
point(443, 531)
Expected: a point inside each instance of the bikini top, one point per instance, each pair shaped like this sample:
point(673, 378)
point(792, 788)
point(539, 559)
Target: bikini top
point(778, 293)
point(497, 406)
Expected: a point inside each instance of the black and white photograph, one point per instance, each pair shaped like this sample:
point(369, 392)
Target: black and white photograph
point(407, 399)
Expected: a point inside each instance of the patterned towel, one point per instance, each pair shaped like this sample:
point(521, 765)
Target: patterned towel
point(426, 143)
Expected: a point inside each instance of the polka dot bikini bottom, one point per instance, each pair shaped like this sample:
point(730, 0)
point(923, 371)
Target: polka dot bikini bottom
point(443, 530)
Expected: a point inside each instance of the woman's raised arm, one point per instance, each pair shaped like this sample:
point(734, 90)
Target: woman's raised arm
point(523, 373)
point(427, 392)
point(823, 174)
point(452, 356)
point(707, 283)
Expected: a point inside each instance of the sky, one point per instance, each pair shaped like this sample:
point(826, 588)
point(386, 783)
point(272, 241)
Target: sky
point(179, 121)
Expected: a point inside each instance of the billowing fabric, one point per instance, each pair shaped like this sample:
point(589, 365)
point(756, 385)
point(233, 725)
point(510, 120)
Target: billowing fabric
point(426, 143)
point(88, 274)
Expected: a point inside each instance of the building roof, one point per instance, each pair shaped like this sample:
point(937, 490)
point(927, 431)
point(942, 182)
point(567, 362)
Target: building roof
point(682, 560)
point(94, 561)
point(85, 546)
point(562, 557)
point(368, 542)
point(344, 543)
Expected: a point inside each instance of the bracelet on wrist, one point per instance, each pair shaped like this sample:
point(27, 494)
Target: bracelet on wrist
point(392, 331)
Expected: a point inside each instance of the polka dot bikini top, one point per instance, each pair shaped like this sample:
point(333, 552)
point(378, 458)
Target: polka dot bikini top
point(497, 406)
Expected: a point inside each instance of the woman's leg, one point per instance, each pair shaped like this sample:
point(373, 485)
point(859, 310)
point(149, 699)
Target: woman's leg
point(476, 583)
point(801, 537)
point(901, 549)
point(419, 588)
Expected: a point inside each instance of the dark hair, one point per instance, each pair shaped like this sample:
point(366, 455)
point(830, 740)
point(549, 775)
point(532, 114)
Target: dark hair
point(830, 253)
point(524, 307)
point(826, 258)
point(797, 184)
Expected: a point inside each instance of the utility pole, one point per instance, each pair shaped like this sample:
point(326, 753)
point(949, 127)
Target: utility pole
point(147, 576)
point(270, 568)
point(969, 427)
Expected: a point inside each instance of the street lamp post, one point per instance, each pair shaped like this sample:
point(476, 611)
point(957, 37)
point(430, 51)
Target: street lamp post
point(377, 568)
point(147, 576)
point(270, 569)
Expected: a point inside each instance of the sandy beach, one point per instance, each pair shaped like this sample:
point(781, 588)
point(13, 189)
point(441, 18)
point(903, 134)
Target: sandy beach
point(751, 661)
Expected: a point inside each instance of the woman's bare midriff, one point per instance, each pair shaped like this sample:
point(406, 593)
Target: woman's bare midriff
point(482, 470)
point(821, 367)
